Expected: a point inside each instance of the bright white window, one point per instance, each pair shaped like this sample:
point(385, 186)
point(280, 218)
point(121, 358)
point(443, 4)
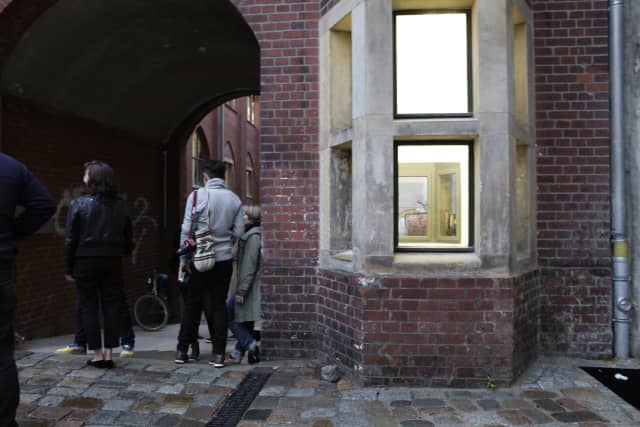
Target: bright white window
point(432, 63)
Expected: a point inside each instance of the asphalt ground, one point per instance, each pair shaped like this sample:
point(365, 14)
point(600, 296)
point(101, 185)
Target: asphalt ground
point(151, 390)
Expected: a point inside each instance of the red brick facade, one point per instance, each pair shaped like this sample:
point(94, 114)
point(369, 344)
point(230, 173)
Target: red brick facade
point(386, 330)
point(572, 94)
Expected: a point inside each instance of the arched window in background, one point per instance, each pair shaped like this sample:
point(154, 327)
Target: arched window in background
point(200, 153)
point(248, 173)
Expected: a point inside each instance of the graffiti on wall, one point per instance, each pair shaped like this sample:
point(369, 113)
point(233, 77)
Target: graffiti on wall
point(141, 220)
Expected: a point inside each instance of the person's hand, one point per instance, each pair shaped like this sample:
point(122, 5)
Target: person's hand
point(69, 278)
point(239, 299)
point(186, 268)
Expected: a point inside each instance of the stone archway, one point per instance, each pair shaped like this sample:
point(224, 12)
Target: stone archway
point(143, 67)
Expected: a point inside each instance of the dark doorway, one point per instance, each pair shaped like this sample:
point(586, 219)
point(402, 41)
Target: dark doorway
point(623, 382)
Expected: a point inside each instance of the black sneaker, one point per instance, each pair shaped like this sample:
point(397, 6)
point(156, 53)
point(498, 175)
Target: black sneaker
point(253, 356)
point(195, 351)
point(217, 360)
point(181, 357)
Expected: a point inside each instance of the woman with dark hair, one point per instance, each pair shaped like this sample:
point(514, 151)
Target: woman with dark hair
point(98, 234)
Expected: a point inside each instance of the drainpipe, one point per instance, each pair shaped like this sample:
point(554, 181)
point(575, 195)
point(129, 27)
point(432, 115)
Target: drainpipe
point(620, 262)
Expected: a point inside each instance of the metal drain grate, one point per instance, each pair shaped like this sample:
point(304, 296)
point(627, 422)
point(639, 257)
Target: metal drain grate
point(236, 404)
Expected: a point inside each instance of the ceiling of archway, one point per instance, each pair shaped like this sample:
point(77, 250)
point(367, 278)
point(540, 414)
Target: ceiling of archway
point(142, 66)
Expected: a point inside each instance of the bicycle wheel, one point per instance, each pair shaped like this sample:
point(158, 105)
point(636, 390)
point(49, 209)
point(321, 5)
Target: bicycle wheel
point(151, 312)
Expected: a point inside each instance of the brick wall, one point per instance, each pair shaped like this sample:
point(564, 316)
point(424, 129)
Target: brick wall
point(571, 66)
point(288, 36)
point(439, 332)
point(54, 147)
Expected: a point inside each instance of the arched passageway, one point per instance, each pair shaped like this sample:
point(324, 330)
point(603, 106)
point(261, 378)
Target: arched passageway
point(141, 67)
point(122, 81)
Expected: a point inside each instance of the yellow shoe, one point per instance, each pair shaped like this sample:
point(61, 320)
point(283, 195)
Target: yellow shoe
point(72, 349)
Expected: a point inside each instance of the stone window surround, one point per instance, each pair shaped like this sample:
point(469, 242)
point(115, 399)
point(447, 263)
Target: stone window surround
point(362, 126)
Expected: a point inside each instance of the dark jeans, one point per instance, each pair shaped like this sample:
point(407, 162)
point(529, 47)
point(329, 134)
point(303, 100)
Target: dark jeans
point(99, 281)
point(206, 291)
point(242, 330)
point(9, 386)
point(127, 336)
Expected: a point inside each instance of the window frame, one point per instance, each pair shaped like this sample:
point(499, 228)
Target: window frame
point(470, 244)
point(470, 85)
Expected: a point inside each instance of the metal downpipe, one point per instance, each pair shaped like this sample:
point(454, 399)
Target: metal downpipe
point(620, 262)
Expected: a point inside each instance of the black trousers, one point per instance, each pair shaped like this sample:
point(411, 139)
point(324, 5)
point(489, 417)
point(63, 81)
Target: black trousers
point(9, 386)
point(206, 291)
point(99, 282)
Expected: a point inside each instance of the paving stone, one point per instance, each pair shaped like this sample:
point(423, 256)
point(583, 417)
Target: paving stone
point(548, 405)
point(29, 397)
point(318, 413)
point(363, 394)
point(100, 392)
point(353, 420)
point(515, 417)
point(146, 406)
point(401, 403)
point(66, 391)
point(191, 423)
point(76, 382)
point(70, 423)
point(322, 423)
point(102, 417)
point(51, 400)
point(30, 422)
point(257, 415)
point(132, 419)
point(464, 405)
point(118, 405)
point(169, 420)
point(538, 394)
point(171, 389)
point(228, 382)
point(50, 413)
point(272, 391)
point(435, 410)
point(426, 403)
point(417, 423)
point(265, 402)
point(516, 404)
point(301, 392)
point(394, 394)
point(576, 417)
point(583, 393)
point(82, 403)
point(145, 388)
point(207, 399)
point(87, 373)
point(201, 413)
point(538, 417)
point(41, 380)
point(282, 416)
point(293, 402)
point(404, 413)
point(572, 405)
point(24, 409)
point(447, 421)
point(34, 389)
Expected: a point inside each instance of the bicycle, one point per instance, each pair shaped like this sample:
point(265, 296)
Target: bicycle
point(150, 310)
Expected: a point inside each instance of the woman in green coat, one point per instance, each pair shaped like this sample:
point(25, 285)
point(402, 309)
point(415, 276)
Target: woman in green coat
point(244, 306)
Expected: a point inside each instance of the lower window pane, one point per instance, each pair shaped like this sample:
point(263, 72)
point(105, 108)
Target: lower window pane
point(432, 200)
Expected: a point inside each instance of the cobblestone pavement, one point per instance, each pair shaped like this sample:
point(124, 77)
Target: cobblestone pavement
point(60, 390)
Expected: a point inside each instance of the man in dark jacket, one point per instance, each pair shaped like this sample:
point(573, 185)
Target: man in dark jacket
point(18, 187)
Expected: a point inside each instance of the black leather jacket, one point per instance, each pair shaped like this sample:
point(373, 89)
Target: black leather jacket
point(97, 227)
